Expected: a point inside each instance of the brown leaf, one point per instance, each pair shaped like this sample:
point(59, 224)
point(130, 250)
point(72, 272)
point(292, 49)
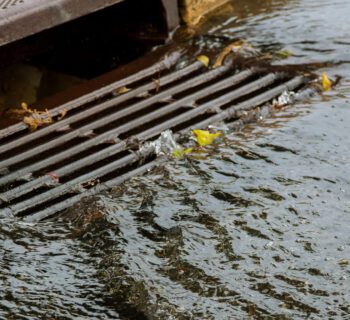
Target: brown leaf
point(226, 51)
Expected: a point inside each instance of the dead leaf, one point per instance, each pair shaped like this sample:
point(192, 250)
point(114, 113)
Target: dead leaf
point(34, 118)
point(180, 153)
point(204, 59)
point(89, 184)
point(237, 45)
point(344, 262)
point(326, 83)
point(122, 90)
point(62, 114)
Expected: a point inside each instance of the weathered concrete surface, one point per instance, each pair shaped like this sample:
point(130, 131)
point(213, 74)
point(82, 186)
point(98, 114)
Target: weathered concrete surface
point(192, 11)
point(19, 19)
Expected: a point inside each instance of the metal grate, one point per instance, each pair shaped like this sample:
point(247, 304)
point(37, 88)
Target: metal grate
point(96, 146)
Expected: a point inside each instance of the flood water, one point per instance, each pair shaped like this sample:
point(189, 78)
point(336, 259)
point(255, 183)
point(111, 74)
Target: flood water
point(258, 229)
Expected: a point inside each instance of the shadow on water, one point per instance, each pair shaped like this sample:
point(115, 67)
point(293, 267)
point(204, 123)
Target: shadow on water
point(258, 229)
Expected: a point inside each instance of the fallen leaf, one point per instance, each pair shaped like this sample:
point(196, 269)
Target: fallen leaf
point(205, 137)
point(33, 125)
point(344, 262)
point(34, 118)
point(326, 83)
point(179, 153)
point(204, 59)
point(284, 54)
point(122, 90)
point(237, 45)
point(62, 114)
point(24, 106)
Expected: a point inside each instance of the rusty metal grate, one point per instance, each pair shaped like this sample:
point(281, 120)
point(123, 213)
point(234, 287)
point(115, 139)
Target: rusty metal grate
point(96, 141)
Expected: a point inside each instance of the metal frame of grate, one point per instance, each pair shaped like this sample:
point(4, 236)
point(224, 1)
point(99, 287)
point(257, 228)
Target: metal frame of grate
point(17, 16)
point(96, 150)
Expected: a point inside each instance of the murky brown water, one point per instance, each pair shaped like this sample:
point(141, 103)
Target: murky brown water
point(258, 230)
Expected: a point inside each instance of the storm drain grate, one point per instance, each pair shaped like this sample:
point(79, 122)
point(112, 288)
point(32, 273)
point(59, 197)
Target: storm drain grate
point(96, 146)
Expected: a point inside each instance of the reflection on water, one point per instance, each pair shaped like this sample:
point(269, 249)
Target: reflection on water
point(258, 229)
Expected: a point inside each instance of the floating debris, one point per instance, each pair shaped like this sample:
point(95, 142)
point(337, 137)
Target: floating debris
point(284, 54)
point(164, 145)
point(234, 47)
point(344, 262)
point(326, 83)
point(180, 153)
point(286, 98)
point(122, 90)
point(204, 59)
point(204, 137)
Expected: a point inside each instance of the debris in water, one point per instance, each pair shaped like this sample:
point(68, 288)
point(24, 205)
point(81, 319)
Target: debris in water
point(344, 262)
point(164, 145)
point(284, 54)
point(62, 114)
point(204, 59)
point(122, 90)
point(204, 137)
point(38, 119)
point(286, 98)
point(180, 153)
point(233, 47)
point(326, 83)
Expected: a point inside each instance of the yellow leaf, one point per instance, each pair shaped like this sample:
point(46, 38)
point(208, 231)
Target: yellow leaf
point(63, 114)
point(122, 90)
point(179, 153)
point(30, 121)
point(24, 106)
point(204, 59)
point(205, 137)
point(326, 83)
point(284, 54)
